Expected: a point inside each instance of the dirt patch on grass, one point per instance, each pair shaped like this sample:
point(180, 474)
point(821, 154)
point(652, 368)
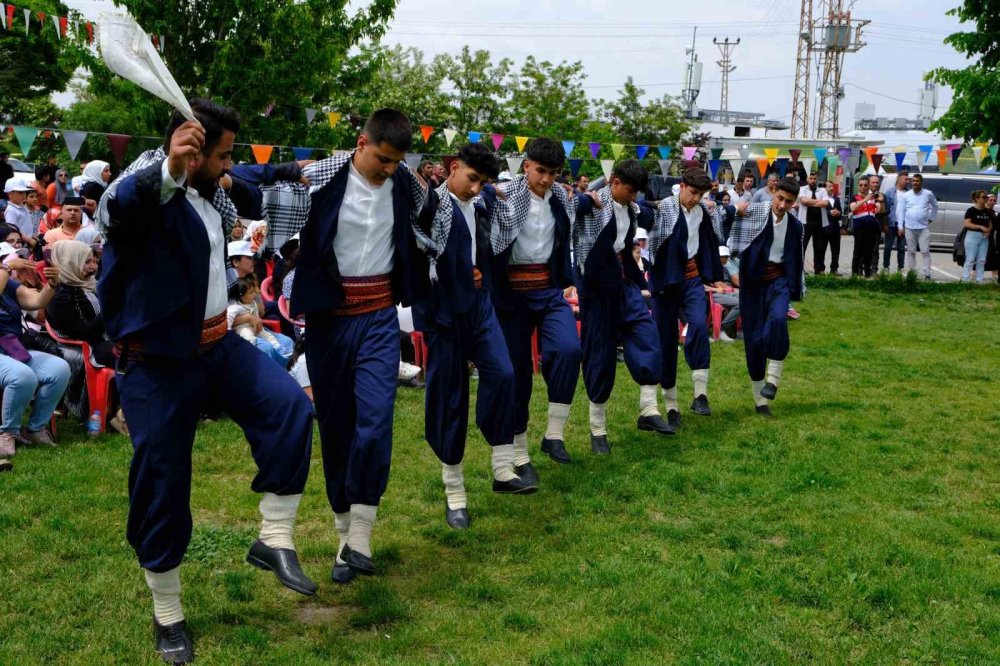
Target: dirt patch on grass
point(316, 614)
point(777, 541)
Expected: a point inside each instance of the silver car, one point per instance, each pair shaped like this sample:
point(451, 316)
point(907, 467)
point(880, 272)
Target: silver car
point(954, 195)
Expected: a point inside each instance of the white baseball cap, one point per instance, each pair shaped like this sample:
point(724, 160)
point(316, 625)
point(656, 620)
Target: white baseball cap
point(17, 185)
point(239, 249)
point(723, 251)
point(640, 234)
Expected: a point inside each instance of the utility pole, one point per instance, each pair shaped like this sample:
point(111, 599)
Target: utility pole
point(838, 34)
point(800, 94)
point(726, 48)
point(692, 78)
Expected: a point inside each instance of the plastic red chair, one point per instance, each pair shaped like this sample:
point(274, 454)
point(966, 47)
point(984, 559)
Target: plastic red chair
point(98, 379)
point(283, 309)
point(267, 289)
point(419, 350)
point(271, 325)
point(715, 316)
point(269, 266)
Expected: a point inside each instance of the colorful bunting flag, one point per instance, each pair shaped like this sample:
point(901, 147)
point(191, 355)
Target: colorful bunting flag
point(713, 168)
point(25, 137)
point(302, 153)
point(6, 13)
point(665, 166)
point(942, 158)
point(876, 161)
point(772, 154)
point(74, 141)
point(926, 150)
point(900, 158)
point(310, 115)
point(716, 153)
point(641, 151)
point(782, 164)
point(820, 155)
point(993, 152)
point(514, 164)
point(689, 152)
point(762, 165)
point(794, 152)
point(977, 154)
point(449, 135)
point(845, 154)
point(955, 152)
point(744, 153)
point(594, 149)
point(574, 167)
point(333, 117)
point(665, 151)
point(921, 159)
point(261, 153)
point(616, 149)
point(807, 164)
point(413, 161)
point(27, 23)
point(426, 131)
point(521, 142)
point(869, 151)
point(568, 147)
point(118, 143)
point(474, 137)
point(606, 167)
point(497, 140)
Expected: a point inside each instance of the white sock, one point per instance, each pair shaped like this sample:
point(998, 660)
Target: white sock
point(700, 378)
point(343, 523)
point(558, 415)
point(454, 486)
point(359, 536)
point(774, 369)
point(278, 519)
point(758, 399)
point(598, 419)
point(647, 400)
point(503, 462)
point(670, 399)
point(166, 589)
point(521, 456)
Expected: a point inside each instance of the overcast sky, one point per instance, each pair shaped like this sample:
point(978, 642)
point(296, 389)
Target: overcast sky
point(646, 39)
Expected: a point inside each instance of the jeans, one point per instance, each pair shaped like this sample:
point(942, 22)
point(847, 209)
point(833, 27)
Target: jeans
point(865, 242)
point(893, 239)
point(976, 245)
point(44, 373)
point(919, 239)
point(280, 356)
point(731, 305)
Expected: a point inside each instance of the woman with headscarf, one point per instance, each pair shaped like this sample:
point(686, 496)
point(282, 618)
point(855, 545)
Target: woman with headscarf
point(96, 177)
point(59, 189)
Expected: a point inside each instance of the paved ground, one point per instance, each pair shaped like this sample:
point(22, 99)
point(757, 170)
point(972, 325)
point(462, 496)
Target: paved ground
point(943, 268)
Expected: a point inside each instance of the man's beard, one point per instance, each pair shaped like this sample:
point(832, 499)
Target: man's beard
point(204, 183)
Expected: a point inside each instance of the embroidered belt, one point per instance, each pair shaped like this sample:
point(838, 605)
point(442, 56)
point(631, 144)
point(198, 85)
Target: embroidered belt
point(212, 330)
point(691, 270)
point(365, 294)
point(529, 277)
point(773, 271)
point(477, 277)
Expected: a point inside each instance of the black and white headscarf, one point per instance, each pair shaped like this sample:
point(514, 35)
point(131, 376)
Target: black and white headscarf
point(507, 220)
point(589, 226)
point(667, 214)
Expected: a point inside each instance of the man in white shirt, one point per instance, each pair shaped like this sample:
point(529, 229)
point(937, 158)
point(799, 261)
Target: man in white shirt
point(176, 355)
point(814, 204)
point(915, 211)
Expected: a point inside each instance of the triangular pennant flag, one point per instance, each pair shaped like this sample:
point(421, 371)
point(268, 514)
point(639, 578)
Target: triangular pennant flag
point(713, 168)
point(514, 165)
point(41, 17)
point(921, 159)
point(977, 153)
point(845, 154)
point(794, 152)
point(927, 150)
point(607, 166)
point(25, 137)
point(807, 164)
point(820, 154)
point(616, 149)
point(302, 153)
point(594, 149)
point(357, 122)
point(413, 161)
point(952, 146)
point(521, 142)
point(900, 158)
point(574, 167)
point(665, 166)
point(449, 135)
point(447, 161)
point(641, 151)
point(118, 143)
point(689, 152)
point(55, 21)
point(782, 164)
point(955, 152)
point(993, 152)
point(869, 151)
point(716, 153)
point(762, 165)
point(261, 153)
point(27, 23)
point(942, 158)
point(744, 153)
point(90, 32)
point(4, 8)
point(426, 131)
point(310, 115)
point(664, 151)
point(74, 141)
point(772, 154)
point(333, 118)
point(568, 147)
point(876, 160)
point(474, 137)
point(497, 140)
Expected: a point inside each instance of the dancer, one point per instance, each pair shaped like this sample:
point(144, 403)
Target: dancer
point(354, 264)
point(459, 325)
point(611, 305)
point(768, 238)
point(533, 267)
point(685, 256)
point(176, 356)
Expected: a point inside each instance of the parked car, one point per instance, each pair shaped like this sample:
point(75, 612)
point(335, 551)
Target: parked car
point(22, 170)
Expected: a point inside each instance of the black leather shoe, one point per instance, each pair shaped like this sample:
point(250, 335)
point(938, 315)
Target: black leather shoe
point(358, 563)
point(457, 519)
point(674, 419)
point(341, 573)
point(556, 450)
point(528, 473)
point(516, 486)
point(284, 563)
point(173, 643)
point(764, 410)
point(768, 391)
point(599, 444)
point(655, 423)
point(700, 406)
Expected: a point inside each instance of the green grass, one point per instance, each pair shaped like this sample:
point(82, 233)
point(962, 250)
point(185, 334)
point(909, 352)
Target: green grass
point(861, 524)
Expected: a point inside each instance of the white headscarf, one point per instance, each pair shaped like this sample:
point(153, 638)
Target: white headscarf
point(92, 174)
point(88, 235)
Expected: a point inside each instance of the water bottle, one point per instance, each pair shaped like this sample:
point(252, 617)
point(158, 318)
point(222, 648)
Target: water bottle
point(94, 424)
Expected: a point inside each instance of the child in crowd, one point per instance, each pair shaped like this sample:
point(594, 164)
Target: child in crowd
point(37, 214)
point(242, 301)
point(297, 366)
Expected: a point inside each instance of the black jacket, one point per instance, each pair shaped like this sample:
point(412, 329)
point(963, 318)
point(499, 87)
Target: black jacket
point(72, 316)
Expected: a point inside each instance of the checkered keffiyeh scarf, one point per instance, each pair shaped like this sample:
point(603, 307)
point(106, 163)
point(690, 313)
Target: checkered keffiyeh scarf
point(286, 207)
point(220, 201)
point(588, 227)
point(747, 227)
point(667, 214)
point(510, 214)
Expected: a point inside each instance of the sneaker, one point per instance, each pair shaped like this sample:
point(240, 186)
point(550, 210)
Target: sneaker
point(6, 465)
point(38, 436)
point(793, 313)
point(408, 371)
point(7, 444)
point(725, 337)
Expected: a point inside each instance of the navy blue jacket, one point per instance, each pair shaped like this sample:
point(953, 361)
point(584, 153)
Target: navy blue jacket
point(603, 272)
point(155, 267)
point(753, 260)
point(671, 259)
point(318, 286)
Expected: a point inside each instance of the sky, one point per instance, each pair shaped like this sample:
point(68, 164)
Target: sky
point(647, 39)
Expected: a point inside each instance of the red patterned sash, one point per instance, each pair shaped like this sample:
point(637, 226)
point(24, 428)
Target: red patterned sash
point(529, 277)
point(365, 294)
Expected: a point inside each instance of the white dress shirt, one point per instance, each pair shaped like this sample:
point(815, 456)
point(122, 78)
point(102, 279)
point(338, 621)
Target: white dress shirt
point(534, 243)
point(693, 218)
point(469, 213)
point(364, 244)
point(217, 300)
point(623, 223)
point(777, 254)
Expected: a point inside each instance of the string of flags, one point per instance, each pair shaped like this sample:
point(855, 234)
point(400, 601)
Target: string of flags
point(63, 26)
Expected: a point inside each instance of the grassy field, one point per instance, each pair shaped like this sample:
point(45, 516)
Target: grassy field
point(861, 524)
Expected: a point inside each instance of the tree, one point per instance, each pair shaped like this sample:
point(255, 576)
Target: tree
point(974, 114)
point(658, 122)
point(479, 91)
point(548, 100)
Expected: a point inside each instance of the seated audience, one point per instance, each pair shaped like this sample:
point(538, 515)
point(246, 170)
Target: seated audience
point(729, 296)
point(72, 221)
point(243, 316)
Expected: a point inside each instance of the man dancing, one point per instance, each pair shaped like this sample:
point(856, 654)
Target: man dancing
point(684, 255)
point(611, 305)
point(176, 357)
point(533, 267)
point(353, 266)
point(768, 239)
point(459, 325)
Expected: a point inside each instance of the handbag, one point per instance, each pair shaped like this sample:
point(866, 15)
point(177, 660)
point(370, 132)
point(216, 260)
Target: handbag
point(958, 251)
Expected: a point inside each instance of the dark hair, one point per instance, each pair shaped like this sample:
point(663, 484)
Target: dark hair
point(239, 289)
point(480, 158)
point(547, 152)
point(697, 179)
point(389, 126)
point(298, 350)
point(789, 186)
point(917, 175)
point(631, 172)
point(215, 118)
